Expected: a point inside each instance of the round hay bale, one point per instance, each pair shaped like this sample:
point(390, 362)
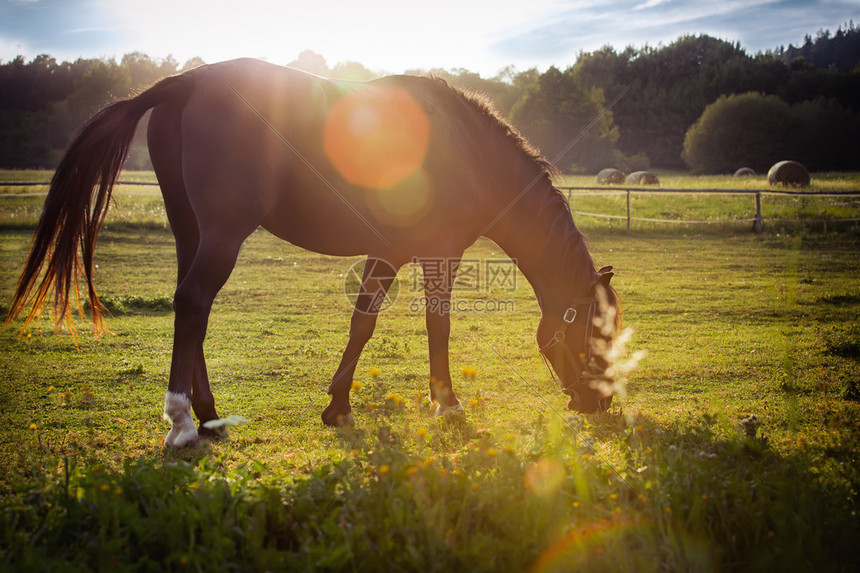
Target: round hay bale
point(745, 172)
point(788, 173)
point(642, 178)
point(610, 177)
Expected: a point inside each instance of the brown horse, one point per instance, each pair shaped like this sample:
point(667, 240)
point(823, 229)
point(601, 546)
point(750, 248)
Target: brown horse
point(400, 168)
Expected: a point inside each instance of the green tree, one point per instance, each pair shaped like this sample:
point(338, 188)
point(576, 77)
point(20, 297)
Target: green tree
point(567, 123)
point(751, 130)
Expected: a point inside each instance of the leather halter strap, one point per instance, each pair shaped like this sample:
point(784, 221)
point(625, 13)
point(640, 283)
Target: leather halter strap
point(571, 314)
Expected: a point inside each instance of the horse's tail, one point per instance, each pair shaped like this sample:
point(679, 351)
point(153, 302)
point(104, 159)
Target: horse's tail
point(76, 206)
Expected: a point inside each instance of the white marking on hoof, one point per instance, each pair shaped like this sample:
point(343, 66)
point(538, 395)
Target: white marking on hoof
point(442, 410)
point(177, 411)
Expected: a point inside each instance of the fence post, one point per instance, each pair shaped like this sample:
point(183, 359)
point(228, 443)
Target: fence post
point(757, 223)
point(628, 210)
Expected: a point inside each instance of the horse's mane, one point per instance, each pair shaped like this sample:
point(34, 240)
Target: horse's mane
point(485, 107)
point(576, 256)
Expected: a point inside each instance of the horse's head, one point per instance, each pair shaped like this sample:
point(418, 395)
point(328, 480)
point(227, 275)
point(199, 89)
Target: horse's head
point(576, 340)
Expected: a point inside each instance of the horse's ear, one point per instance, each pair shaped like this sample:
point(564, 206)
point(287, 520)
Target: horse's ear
point(604, 275)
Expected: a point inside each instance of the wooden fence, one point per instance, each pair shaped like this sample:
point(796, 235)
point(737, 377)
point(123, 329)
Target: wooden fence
point(756, 219)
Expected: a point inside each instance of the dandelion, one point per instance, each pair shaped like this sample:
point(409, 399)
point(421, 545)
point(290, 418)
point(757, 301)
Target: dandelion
point(356, 385)
point(412, 471)
point(384, 469)
point(421, 432)
point(373, 372)
point(473, 403)
point(613, 496)
point(491, 452)
point(51, 388)
point(468, 372)
point(576, 505)
point(33, 427)
point(704, 497)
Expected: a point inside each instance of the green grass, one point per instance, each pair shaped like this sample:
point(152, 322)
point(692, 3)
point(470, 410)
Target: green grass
point(734, 325)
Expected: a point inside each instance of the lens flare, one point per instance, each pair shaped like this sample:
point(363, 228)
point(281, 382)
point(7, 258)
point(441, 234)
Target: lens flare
point(377, 137)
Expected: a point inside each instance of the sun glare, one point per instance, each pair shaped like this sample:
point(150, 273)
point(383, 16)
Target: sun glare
point(377, 138)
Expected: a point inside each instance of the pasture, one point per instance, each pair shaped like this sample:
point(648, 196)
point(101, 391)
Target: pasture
point(677, 475)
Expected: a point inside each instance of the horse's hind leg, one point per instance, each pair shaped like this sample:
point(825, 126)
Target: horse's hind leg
point(376, 280)
point(210, 269)
point(165, 143)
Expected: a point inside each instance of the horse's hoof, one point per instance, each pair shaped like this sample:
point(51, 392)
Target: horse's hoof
point(442, 410)
point(335, 416)
point(215, 434)
point(182, 439)
point(338, 420)
point(177, 411)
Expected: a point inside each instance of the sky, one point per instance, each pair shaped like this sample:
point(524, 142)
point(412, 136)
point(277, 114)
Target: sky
point(393, 36)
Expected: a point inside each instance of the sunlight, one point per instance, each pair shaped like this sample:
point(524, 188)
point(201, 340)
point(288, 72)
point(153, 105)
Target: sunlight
point(376, 138)
point(384, 35)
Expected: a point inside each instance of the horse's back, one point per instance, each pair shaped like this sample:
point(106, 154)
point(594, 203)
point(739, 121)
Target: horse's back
point(300, 153)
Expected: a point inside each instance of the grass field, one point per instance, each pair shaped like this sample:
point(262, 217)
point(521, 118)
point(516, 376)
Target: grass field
point(678, 475)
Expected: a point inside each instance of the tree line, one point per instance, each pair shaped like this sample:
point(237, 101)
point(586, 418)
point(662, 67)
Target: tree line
point(630, 109)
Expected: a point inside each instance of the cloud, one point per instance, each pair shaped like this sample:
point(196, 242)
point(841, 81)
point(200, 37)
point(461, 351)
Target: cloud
point(758, 25)
point(650, 4)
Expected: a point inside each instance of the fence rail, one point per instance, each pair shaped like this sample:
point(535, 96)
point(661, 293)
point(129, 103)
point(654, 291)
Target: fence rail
point(584, 191)
point(756, 220)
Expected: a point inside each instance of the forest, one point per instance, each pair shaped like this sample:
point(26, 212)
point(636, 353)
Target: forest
point(635, 108)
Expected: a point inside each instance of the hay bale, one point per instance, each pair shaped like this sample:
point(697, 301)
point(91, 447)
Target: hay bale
point(610, 177)
point(745, 172)
point(642, 178)
point(789, 173)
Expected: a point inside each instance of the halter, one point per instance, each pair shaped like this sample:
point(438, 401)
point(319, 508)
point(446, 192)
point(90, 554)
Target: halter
point(578, 363)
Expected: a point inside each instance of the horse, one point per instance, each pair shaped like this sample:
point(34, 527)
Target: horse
point(400, 169)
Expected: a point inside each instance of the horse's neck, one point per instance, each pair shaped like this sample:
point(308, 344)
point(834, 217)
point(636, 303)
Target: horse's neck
point(539, 234)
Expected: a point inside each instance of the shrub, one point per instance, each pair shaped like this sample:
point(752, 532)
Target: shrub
point(757, 131)
point(748, 129)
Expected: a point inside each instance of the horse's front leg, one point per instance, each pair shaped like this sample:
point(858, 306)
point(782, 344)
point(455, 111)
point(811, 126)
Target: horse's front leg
point(438, 283)
point(376, 280)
